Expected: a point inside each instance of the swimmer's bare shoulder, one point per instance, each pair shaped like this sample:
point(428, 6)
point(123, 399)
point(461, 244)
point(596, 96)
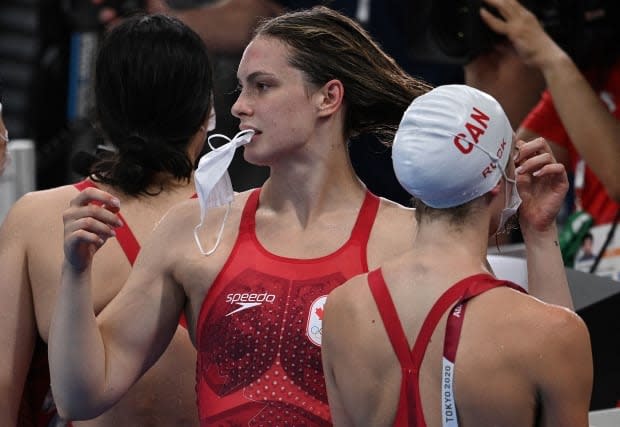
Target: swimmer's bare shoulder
point(39, 212)
point(392, 233)
point(174, 245)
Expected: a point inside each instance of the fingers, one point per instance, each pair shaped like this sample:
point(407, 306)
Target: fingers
point(97, 197)
point(94, 211)
point(495, 23)
point(89, 221)
point(506, 8)
point(509, 13)
point(535, 157)
point(527, 149)
point(90, 229)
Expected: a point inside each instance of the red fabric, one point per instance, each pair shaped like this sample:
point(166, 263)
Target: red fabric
point(124, 235)
point(409, 411)
point(37, 385)
point(544, 121)
point(259, 329)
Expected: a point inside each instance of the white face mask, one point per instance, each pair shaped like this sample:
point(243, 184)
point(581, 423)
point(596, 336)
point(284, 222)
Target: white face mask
point(512, 203)
point(213, 185)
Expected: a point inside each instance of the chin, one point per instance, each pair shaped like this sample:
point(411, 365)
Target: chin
point(253, 158)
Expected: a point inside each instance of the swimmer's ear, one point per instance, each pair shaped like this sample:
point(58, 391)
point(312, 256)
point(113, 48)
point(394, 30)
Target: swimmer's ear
point(497, 189)
point(329, 97)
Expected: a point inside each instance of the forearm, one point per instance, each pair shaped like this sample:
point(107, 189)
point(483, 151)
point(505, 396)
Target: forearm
point(546, 275)
point(76, 350)
point(238, 17)
point(594, 131)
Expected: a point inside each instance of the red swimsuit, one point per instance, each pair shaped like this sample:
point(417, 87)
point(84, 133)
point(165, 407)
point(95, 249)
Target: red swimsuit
point(37, 407)
point(409, 411)
point(259, 329)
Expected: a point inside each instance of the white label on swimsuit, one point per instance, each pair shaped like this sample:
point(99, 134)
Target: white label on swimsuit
point(448, 404)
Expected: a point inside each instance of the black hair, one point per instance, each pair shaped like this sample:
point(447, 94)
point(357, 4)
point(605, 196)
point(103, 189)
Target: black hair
point(153, 91)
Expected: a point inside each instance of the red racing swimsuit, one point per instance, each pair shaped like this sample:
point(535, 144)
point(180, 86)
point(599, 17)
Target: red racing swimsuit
point(37, 407)
point(409, 412)
point(259, 329)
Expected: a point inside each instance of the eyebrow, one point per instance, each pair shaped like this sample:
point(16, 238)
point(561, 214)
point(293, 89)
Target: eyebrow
point(252, 77)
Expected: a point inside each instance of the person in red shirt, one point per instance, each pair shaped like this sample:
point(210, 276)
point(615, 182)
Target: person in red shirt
point(578, 112)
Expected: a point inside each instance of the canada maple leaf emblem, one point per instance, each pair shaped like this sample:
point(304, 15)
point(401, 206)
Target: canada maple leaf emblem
point(319, 312)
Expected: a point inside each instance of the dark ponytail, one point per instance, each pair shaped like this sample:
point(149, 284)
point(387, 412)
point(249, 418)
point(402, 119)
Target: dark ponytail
point(153, 90)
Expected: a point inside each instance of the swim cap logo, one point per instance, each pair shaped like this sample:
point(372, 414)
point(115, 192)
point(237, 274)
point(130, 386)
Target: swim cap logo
point(475, 130)
point(493, 165)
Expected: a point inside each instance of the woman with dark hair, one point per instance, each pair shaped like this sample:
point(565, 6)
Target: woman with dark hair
point(253, 276)
point(153, 102)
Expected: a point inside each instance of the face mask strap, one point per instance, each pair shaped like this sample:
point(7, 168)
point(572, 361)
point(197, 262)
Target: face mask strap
point(507, 199)
point(219, 235)
point(499, 165)
point(217, 135)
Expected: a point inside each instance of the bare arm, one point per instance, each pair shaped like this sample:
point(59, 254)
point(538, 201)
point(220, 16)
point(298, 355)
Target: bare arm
point(331, 344)
point(93, 361)
point(225, 26)
point(594, 131)
point(18, 331)
point(496, 72)
point(542, 184)
point(214, 22)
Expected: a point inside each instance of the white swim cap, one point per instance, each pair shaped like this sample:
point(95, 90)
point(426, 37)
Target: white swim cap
point(450, 145)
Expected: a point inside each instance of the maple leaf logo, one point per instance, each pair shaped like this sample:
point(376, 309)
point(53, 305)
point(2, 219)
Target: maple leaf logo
point(319, 312)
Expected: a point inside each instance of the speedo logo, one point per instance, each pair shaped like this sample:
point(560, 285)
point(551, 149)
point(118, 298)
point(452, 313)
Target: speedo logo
point(249, 300)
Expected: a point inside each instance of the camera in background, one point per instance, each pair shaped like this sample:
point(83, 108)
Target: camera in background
point(452, 32)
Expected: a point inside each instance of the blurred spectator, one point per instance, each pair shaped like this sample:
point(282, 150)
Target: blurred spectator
point(4, 140)
point(578, 111)
point(33, 56)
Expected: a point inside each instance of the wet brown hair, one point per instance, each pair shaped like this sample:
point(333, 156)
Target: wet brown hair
point(327, 45)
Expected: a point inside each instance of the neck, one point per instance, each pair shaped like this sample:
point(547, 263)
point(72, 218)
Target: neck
point(313, 182)
point(454, 246)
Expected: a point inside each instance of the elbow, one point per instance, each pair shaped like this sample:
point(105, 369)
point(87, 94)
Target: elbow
point(77, 411)
point(610, 183)
point(78, 407)
point(614, 192)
